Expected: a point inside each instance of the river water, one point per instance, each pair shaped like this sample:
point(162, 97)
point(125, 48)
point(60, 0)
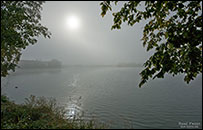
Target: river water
point(111, 95)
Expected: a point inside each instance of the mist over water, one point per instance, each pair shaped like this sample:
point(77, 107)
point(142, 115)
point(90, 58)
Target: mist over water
point(94, 72)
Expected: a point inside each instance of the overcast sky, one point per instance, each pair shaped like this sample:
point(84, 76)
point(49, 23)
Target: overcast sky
point(93, 42)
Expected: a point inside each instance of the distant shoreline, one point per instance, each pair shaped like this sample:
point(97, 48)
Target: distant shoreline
point(99, 66)
point(80, 66)
point(32, 64)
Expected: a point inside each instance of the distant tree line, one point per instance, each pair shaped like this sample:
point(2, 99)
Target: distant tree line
point(129, 65)
point(39, 64)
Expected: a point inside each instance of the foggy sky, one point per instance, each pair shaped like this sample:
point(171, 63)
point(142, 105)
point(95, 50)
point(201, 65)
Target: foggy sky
point(93, 43)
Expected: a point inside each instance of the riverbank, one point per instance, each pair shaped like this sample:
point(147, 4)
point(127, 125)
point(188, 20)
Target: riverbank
point(39, 113)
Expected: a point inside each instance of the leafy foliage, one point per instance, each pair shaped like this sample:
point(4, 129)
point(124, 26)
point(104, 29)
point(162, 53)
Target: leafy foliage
point(20, 25)
point(173, 30)
point(40, 113)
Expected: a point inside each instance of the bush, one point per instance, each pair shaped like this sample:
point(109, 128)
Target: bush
point(39, 113)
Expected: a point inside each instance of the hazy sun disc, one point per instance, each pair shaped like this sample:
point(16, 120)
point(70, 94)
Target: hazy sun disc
point(73, 22)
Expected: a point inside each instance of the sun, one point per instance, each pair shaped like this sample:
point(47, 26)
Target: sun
point(73, 22)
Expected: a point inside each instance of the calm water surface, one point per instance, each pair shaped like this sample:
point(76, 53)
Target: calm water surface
point(111, 95)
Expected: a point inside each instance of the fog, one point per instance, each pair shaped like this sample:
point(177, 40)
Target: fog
point(92, 43)
point(93, 72)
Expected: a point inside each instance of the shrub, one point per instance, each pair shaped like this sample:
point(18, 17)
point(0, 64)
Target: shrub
point(39, 113)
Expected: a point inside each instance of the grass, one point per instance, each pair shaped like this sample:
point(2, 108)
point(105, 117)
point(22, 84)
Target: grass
point(40, 113)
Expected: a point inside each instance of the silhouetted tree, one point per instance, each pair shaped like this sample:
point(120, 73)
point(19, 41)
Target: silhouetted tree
point(20, 25)
point(173, 30)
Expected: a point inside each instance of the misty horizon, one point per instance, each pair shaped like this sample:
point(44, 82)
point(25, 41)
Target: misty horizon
point(92, 43)
point(80, 63)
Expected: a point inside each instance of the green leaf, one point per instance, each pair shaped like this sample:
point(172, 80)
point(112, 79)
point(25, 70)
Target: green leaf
point(21, 20)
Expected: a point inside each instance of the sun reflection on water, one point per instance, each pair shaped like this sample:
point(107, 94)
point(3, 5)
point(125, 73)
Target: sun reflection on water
point(73, 108)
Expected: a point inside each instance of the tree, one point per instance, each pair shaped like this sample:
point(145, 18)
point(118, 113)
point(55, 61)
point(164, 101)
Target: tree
point(173, 30)
point(20, 25)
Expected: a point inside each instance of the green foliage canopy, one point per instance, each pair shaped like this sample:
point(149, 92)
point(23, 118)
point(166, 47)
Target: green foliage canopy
point(20, 25)
point(173, 30)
